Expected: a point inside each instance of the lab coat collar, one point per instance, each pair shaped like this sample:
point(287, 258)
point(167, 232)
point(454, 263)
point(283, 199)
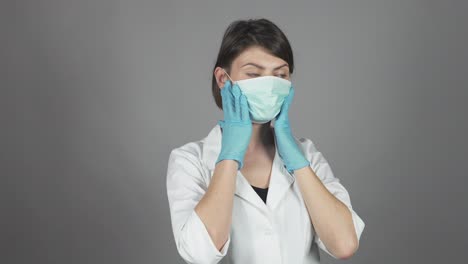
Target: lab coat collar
point(280, 179)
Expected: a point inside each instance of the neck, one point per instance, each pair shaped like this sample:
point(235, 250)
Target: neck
point(262, 137)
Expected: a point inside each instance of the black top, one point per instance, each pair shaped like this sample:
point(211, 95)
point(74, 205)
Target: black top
point(262, 192)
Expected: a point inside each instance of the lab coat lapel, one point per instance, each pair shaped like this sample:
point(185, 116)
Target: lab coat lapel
point(245, 191)
point(280, 180)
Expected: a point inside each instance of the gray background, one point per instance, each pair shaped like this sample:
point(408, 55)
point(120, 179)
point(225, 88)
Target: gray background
point(95, 94)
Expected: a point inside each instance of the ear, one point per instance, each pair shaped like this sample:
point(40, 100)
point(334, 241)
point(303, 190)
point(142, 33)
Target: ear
point(220, 77)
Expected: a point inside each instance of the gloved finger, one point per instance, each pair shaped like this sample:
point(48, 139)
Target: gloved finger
point(236, 92)
point(225, 88)
point(227, 99)
point(289, 99)
point(283, 114)
point(227, 83)
point(245, 116)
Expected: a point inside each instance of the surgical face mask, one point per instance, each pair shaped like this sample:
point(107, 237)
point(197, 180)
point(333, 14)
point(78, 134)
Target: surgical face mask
point(265, 96)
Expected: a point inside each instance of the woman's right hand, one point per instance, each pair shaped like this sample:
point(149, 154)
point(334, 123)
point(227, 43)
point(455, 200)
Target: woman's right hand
point(236, 126)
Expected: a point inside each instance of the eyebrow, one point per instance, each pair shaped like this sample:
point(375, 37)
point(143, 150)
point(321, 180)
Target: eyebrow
point(261, 67)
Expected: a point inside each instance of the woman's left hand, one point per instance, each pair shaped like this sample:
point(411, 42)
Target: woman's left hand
point(289, 151)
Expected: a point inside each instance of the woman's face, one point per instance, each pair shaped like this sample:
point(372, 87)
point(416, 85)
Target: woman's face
point(253, 62)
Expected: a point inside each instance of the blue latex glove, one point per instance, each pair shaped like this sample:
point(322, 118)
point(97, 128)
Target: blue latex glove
point(289, 151)
point(237, 125)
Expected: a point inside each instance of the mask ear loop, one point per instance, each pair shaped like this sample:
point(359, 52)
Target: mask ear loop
point(228, 76)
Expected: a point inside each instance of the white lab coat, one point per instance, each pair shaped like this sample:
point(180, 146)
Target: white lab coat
point(279, 231)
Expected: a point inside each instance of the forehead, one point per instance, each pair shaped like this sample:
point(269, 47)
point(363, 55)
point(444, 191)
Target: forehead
point(257, 55)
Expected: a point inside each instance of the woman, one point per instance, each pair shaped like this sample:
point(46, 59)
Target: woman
point(251, 192)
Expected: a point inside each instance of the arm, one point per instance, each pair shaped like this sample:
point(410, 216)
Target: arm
point(215, 208)
point(335, 222)
point(201, 234)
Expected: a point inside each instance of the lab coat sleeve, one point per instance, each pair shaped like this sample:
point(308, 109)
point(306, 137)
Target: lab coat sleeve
point(323, 170)
point(185, 188)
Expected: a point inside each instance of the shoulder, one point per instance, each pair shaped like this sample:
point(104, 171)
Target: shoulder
point(312, 153)
point(188, 152)
point(318, 162)
point(185, 166)
point(308, 147)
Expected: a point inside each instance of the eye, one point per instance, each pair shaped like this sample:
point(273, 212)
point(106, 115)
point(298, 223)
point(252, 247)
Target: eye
point(253, 74)
point(282, 76)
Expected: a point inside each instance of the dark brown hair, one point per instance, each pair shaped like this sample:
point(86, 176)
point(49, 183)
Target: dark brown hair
point(243, 34)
